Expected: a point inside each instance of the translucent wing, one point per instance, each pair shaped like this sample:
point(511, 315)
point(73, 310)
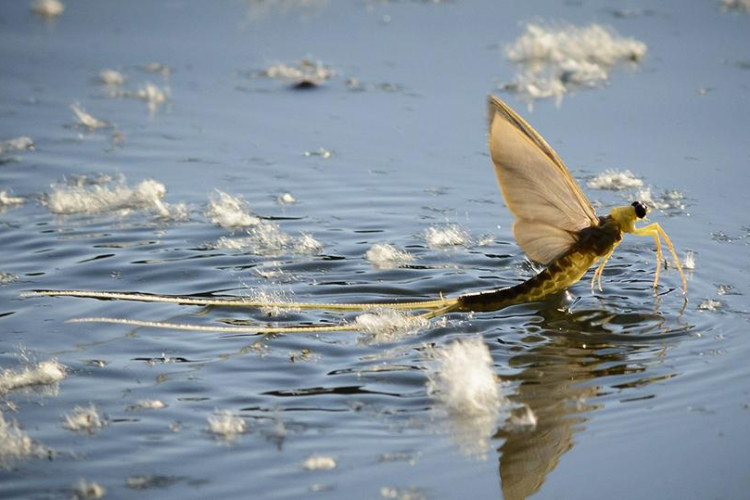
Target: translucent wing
point(549, 206)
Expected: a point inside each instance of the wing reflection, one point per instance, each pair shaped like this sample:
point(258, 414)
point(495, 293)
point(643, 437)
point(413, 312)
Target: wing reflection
point(584, 346)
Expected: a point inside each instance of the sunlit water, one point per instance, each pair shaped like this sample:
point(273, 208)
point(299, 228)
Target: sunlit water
point(191, 166)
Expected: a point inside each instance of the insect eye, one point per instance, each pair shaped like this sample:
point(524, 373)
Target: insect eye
point(640, 209)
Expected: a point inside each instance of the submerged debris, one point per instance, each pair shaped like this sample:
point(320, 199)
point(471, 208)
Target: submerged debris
point(615, 181)
point(555, 60)
point(45, 373)
point(385, 256)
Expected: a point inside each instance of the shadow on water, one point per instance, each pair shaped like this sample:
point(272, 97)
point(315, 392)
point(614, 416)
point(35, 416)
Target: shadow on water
point(574, 358)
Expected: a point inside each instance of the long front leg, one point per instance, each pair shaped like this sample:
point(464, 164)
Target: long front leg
point(654, 230)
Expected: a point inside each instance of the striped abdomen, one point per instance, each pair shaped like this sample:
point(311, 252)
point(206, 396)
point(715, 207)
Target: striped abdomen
point(593, 243)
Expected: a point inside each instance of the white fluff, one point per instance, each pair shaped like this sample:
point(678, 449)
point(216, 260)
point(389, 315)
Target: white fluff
point(614, 180)
point(90, 196)
point(446, 236)
point(7, 199)
point(319, 462)
point(45, 373)
point(388, 325)
point(553, 60)
point(226, 425)
point(385, 256)
point(230, 212)
point(88, 490)
point(305, 70)
point(709, 305)
point(16, 444)
point(85, 419)
point(462, 378)
point(16, 144)
point(148, 404)
point(48, 8)
point(111, 77)
point(86, 120)
point(688, 263)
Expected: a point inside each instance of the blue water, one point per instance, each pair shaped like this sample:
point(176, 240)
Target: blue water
point(636, 396)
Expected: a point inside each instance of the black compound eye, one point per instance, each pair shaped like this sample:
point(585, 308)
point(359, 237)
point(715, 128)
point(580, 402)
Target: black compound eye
point(640, 209)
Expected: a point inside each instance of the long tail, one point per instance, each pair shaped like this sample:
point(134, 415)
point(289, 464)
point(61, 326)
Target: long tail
point(433, 307)
point(240, 302)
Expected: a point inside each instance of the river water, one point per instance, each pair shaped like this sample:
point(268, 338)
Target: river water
point(214, 176)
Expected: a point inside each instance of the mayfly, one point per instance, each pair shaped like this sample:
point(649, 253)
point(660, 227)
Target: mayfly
point(555, 225)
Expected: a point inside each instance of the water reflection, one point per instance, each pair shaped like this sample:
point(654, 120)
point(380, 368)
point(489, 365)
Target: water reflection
point(556, 384)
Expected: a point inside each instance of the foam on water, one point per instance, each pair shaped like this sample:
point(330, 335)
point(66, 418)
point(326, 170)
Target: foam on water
point(87, 490)
point(385, 256)
point(84, 419)
point(319, 462)
point(446, 236)
point(48, 8)
point(7, 199)
point(229, 212)
point(307, 244)
point(85, 195)
point(86, 120)
point(226, 425)
point(17, 445)
point(554, 60)
point(45, 373)
point(16, 144)
point(272, 303)
point(388, 325)
point(614, 180)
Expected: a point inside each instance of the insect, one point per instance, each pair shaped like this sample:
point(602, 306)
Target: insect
point(555, 225)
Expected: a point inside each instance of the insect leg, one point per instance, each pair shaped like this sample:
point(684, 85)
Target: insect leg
point(654, 230)
point(600, 270)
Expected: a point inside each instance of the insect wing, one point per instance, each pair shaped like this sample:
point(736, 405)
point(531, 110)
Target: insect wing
point(549, 206)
